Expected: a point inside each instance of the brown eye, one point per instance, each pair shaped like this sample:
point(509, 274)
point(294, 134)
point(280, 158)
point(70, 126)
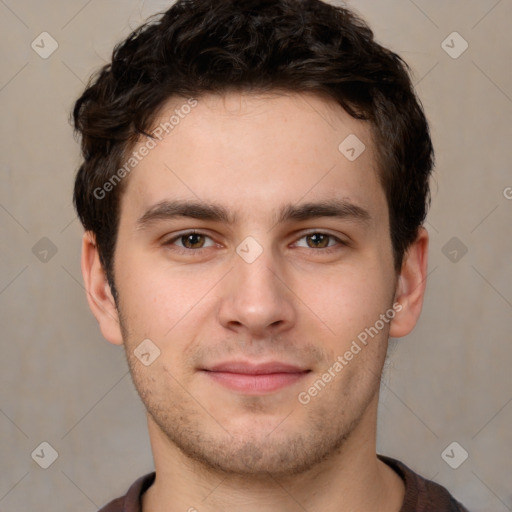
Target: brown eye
point(323, 243)
point(192, 241)
point(318, 240)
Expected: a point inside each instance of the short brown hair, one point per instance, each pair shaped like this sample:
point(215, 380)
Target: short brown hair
point(200, 46)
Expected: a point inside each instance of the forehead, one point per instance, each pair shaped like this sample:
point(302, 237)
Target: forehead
point(252, 150)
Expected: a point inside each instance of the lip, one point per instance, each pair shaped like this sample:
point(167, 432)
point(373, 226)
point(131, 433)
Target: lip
point(255, 379)
point(248, 368)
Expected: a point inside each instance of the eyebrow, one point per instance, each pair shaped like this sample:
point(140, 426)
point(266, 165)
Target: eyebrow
point(167, 210)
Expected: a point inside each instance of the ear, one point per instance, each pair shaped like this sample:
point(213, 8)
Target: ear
point(99, 295)
point(411, 286)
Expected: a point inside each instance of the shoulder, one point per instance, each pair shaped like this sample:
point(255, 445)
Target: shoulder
point(130, 502)
point(116, 505)
point(422, 494)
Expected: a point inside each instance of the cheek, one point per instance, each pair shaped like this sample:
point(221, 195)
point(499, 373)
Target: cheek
point(353, 299)
point(157, 301)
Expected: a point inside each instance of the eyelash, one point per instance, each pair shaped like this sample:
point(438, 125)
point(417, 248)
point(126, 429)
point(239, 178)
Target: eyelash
point(324, 250)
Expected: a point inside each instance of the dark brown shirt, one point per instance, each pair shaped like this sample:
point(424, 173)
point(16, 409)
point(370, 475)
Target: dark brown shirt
point(421, 495)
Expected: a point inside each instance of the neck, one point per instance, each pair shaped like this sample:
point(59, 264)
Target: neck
point(352, 478)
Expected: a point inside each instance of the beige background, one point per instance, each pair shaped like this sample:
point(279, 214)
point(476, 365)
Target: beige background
point(60, 382)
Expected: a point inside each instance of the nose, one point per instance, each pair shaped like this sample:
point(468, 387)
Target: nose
point(257, 301)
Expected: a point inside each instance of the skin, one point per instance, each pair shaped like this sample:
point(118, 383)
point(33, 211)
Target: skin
point(215, 448)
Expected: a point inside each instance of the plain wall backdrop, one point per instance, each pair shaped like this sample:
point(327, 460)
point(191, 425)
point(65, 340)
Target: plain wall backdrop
point(63, 384)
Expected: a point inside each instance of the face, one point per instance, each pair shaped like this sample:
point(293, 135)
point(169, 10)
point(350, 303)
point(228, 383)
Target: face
point(248, 239)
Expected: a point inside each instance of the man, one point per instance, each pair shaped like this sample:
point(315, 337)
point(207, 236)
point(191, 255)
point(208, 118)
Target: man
point(254, 184)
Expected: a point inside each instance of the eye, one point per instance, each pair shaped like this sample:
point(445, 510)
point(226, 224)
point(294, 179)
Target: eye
point(193, 241)
point(318, 240)
point(190, 241)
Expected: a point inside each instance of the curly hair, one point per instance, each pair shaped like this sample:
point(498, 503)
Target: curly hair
point(204, 46)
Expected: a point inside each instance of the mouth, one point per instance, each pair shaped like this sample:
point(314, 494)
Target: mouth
point(255, 379)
